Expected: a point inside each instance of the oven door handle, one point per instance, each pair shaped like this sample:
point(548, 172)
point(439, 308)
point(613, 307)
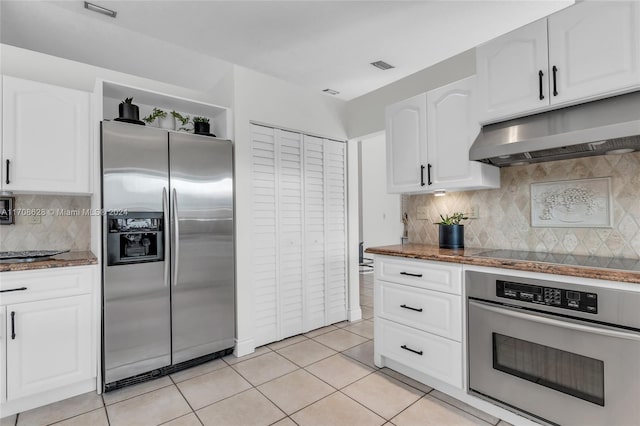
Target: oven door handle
point(566, 324)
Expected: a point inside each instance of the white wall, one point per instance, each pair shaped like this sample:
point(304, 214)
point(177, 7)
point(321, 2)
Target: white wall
point(30, 65)
point(253, 97)
point(268, 100)
point(365, 115)
point(380, 212)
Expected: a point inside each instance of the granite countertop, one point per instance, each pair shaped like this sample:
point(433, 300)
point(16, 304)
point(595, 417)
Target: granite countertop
point(611, 269)
point(72, 258)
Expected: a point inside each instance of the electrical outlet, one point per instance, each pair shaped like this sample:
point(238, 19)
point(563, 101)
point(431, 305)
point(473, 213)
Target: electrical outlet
point(35, 219)
point(475, 212)
point(422, 214)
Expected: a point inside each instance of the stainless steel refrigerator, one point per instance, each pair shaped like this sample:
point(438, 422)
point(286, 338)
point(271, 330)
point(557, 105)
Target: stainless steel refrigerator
point(168, 251)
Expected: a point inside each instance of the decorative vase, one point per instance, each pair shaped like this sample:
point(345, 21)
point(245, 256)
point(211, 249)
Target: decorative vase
point(451, 236)
point(168, 123)
point(201, 128)
point(129, 111)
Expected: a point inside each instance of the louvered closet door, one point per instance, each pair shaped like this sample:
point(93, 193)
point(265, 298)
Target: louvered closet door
point(265, 234)
point(290, 229)
point(314, 236)
point(335, 162)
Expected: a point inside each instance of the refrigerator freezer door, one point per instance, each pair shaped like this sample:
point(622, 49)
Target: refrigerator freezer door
point(137, 320)
point(203, 285)
point(134, 165)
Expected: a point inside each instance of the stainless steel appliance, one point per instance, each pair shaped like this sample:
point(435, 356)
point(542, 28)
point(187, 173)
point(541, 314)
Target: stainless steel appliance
point(168, 279)
point(563, 353)
point(605, 126)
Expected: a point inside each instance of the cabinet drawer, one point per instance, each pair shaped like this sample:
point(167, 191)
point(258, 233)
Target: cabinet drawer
point(429, 354)
point(46, 283)
point(432, 311)
point(420, 273)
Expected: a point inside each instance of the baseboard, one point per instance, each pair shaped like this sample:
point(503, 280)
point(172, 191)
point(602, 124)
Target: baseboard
point(354, 314)
point(20, 405)
point(244, 347)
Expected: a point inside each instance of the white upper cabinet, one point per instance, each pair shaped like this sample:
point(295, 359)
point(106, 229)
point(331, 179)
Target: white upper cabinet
point(45, 138)
point(595, 49)
point(512, 72)
point(452, 128)
point(587, 51)
point(428, 140)
point(406, 135)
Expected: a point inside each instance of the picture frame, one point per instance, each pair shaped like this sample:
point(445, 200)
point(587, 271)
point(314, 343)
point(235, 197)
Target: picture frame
point(579, 203)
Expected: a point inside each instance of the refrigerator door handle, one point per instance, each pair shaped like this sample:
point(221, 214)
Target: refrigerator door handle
point(176, 236)
point(167, 253)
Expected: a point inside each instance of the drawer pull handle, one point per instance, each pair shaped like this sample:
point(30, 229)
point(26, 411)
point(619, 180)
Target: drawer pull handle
point(411, 350)
point(540, 75)
point(13, 325)
point(411, 275)
point(411, 309)
point(13, 289)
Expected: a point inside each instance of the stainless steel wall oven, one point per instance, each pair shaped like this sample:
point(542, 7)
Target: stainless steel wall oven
point(562, 353)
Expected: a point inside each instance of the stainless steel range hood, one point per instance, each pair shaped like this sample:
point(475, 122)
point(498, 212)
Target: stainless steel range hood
point(606, 126)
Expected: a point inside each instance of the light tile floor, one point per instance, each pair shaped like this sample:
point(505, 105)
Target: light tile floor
point(325, 377)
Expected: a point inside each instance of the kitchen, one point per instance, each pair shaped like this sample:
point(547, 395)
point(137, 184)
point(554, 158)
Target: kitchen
point(249, 95)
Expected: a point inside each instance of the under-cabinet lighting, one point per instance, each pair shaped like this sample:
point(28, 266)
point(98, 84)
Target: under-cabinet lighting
point(95, 8)
point(440, 193)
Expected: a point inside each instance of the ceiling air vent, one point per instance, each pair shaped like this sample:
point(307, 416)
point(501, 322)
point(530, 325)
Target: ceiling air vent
point(382, 65)
point(331, 91)
point(95, 8)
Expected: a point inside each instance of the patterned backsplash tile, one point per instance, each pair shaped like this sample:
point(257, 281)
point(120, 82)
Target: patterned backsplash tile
point(64, 224)
point(505, 214)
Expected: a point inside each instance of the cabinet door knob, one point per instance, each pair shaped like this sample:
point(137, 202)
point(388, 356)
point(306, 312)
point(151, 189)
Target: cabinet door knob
point(540, 75)
point(421, 175)
point(411, 350)
point(555, 88)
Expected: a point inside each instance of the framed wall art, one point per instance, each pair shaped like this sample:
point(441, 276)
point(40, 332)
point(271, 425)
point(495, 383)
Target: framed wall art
point(582, 203)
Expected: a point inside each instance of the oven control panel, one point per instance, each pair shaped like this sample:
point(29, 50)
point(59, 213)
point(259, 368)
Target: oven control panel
point(550, 296)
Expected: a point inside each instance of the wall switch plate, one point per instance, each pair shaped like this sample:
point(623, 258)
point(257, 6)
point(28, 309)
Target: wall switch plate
point(35, 219)
point(474, 213)
point(421, 213)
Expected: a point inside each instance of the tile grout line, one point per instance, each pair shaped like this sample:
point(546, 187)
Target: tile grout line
point(186, 400)
point(410, 405)
point(463, 410)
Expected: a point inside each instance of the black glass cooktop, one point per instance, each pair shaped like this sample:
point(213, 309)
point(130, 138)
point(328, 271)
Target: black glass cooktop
point(565, 259)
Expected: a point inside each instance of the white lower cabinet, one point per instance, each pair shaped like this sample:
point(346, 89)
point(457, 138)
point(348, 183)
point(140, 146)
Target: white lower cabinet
point(49, 345)
point(418, 317)
point(48, 341)
point(424, 352)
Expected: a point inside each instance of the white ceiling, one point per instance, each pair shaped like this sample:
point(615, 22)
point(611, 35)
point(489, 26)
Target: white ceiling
point(317, 44)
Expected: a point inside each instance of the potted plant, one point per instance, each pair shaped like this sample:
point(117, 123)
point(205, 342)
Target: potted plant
point(201, 125)
point(156, 114)
point(128, 111)
point(451, 231)
point(183, 119)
